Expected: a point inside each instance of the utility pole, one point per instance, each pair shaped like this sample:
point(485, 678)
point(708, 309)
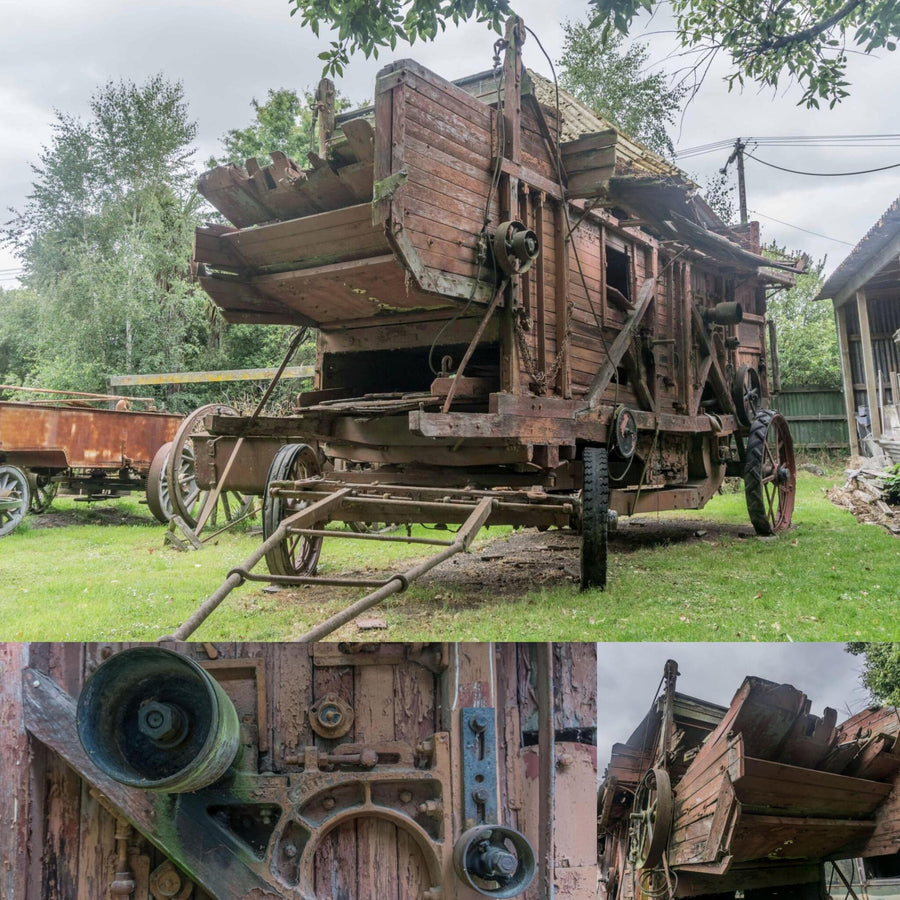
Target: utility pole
point(738, 154)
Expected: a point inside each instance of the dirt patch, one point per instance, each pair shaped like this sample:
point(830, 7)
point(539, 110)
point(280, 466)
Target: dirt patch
point(527, 559)
point(89, 515)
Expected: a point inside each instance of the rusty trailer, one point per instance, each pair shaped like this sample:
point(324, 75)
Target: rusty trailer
point(98, 454)
point(282, 772)
point(754, 797)
point(509, 295)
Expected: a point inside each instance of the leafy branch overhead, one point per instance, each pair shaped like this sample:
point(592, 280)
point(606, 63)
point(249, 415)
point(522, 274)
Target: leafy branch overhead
point(806, 41)
point(366, 26)
point(768, 41)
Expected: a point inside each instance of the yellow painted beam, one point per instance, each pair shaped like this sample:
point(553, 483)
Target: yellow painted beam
point(208, 377)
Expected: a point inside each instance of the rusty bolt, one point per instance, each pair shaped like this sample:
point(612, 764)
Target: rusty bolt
point(289, 850)
point(330, 715)
point(328, 802)
point(433, 808)
point(405, 796)
point(368, 758)
point(425, 748)
point(479, 723)
point(480, 795)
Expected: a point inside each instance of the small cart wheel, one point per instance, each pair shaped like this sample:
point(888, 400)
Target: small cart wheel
point(159, 500)
point(43, 493)
point(296, 554)
point(770, 474)
point(15, 498)
point(186, 497)
point(595, 516)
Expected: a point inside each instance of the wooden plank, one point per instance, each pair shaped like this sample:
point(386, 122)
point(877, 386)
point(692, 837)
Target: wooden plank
point(360, 138)
point(601, 380)
point(16, 801)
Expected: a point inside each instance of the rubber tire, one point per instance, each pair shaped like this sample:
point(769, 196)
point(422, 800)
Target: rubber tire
point(595, 518)
point(754, 490)
point(285, 468)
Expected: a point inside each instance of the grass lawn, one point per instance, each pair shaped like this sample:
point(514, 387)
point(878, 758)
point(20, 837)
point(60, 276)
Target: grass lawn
point(828, 578)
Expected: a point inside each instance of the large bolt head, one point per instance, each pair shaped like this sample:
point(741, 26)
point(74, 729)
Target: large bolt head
point(161, 722)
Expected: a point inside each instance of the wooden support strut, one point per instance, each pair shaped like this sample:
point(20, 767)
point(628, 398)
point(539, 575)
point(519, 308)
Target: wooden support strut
point(601, 380)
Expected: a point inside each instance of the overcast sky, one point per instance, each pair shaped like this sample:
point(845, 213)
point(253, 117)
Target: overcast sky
point(54, 54)
point(629, 674)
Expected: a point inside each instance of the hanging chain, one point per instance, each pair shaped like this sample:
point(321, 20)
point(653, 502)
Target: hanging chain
point(542, 380)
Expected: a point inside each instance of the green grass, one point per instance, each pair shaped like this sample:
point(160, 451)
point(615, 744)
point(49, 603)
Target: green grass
point(828, 578)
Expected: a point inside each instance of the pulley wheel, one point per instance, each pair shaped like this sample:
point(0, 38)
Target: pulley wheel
point(651, 819)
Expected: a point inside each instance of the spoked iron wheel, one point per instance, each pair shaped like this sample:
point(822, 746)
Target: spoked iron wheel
point(770, 474)
point(651, 819)
point(43, 493)
point(187, 498)
point(159, 500)
point(595, 518)
point(746, 393)
point(15, 498)
point(297, 554)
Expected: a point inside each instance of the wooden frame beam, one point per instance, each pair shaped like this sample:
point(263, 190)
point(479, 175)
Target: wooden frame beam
point(840, 317)
point(868, 363)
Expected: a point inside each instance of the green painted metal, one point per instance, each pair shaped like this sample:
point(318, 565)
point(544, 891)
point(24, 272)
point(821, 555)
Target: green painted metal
point(816, 416)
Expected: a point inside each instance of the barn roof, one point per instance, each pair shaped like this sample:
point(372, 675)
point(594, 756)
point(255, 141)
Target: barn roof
point(875, 260)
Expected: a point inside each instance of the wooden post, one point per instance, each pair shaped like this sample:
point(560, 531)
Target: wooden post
point(15, 806)
point(865, 335)
point(840, 316)
point(325, 107)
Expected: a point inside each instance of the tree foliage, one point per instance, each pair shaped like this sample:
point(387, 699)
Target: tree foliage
point(881, 670)
point(771, 40)
point(362, 25)
point(767, 41)
point(283, 122)
point(612, 81)
point(105, 238)
point(807, 338)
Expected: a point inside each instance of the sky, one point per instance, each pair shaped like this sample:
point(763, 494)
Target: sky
point(628, 675)
point(55, 54)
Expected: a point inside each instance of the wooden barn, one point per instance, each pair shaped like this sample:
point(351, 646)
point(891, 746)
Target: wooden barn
point(284, 772)
point(865, 291)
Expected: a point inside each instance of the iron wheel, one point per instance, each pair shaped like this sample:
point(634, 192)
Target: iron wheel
point(770, 474)
point(15, 498)
point(297, 554)
point(651, 819)
point(43, 493)
point(159, 500)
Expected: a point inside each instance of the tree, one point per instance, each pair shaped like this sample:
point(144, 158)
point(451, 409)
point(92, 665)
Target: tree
point(807, 339)
point(881, 670)
point(611, 80)
point(283, 122)
point(105, 238)
point(767, 40)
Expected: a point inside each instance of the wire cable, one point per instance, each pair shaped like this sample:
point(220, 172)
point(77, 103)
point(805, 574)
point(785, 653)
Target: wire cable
point(822, 174)
point(756, 212)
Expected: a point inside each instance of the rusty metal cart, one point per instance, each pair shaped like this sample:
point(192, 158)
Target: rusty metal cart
point(98, 454)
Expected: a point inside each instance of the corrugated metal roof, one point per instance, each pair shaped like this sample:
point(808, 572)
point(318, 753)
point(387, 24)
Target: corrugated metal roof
point(885, 231)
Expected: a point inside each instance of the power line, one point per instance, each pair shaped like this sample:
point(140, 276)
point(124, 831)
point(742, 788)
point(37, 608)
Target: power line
point(822, 174)
point(756, 212)
point(856, 141)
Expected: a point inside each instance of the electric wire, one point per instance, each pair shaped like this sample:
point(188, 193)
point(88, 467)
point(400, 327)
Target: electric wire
point(756, 212)
point(821, 174)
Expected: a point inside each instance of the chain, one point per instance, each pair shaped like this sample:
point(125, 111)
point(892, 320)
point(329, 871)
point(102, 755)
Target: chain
point(542, 380)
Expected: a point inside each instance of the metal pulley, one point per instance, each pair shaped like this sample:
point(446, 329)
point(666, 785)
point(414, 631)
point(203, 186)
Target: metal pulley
point(651, 819)
point(624, 432)
point(515, 246)
point(156, 720)
point(494, 860)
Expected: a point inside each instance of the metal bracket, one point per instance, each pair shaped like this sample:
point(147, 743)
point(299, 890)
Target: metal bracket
point(479, 765)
